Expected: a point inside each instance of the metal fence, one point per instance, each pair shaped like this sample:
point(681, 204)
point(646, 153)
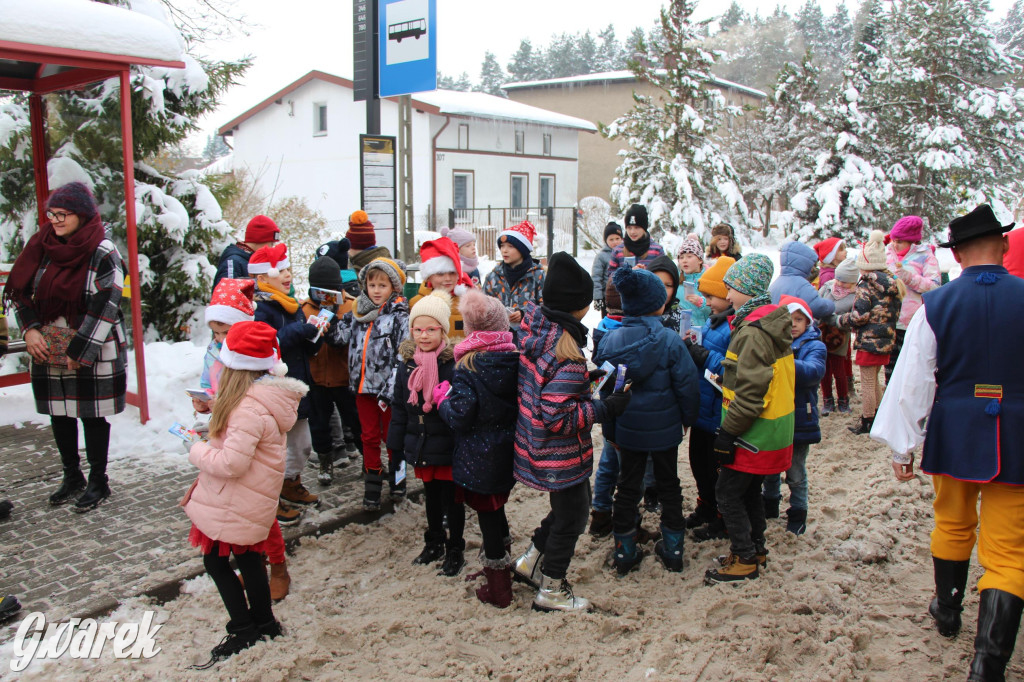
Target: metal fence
point(556, 227)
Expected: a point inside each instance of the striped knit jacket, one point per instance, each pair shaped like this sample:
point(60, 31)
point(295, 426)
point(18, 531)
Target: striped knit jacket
point(759, 390)
point(553, 450)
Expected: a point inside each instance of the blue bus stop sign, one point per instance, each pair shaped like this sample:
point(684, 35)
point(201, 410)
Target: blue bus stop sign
point(407, 46)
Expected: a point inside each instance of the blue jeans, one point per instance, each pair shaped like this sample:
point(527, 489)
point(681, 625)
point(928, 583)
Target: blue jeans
point(608, 475)
point(796, 479)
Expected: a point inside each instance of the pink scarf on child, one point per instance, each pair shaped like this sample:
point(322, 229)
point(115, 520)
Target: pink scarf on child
point(496, 342)
point(842, 289)
point(424, 377)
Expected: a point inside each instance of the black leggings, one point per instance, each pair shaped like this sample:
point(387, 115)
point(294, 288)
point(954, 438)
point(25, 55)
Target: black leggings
point(97, 442)
point(494, 530)
point(250, 564)
point(440, 499)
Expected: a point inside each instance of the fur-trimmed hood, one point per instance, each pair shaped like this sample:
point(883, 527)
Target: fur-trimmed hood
point(280, 396)
point(407, 350)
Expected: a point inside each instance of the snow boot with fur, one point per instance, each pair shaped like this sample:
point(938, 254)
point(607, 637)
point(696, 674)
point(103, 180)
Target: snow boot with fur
point(498, 588)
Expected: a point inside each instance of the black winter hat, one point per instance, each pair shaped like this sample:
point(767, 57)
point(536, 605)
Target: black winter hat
point(610, 229)
point(665, 264)
point(324, 273)
point(641, 290)
point(567, 286)
point(636, 215)
point(338, 250)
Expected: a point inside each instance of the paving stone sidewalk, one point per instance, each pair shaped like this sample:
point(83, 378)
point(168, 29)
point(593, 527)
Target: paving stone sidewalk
point(66, 564)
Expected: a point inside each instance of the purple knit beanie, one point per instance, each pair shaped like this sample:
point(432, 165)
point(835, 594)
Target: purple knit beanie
point(482, 313)
point(74, 197)
point(907, 229)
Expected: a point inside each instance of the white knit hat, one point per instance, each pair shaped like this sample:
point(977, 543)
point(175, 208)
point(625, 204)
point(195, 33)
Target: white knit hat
point(872, 253)
point(438, 305)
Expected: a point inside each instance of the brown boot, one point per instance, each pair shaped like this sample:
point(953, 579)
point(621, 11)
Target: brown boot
point(735, 569)
point(279, 581)
point(293, 492)
point(286, 516)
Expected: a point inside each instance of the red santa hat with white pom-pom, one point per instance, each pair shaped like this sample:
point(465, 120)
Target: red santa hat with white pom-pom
point(253, 346)
point(269, 260)
point(440, 256)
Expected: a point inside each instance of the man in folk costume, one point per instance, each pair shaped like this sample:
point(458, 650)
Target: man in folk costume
point(974, 445)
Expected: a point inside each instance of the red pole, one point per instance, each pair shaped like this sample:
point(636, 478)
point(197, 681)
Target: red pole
point(38, 129)
point(133, 241)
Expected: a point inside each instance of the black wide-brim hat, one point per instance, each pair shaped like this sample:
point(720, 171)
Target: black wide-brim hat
point(978, 223)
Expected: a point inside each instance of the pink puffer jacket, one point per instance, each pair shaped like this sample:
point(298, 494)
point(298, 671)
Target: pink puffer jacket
point(919, 272)
point(234, 499)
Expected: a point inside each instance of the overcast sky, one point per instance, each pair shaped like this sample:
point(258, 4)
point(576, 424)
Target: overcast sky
point(291, 37)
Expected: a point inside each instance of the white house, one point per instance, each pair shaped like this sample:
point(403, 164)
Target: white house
point(470, 151)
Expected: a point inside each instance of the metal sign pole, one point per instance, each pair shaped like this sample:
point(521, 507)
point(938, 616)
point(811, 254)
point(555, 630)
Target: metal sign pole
point(405, 210)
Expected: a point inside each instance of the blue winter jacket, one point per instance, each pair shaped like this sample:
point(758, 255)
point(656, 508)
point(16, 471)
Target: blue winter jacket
point(665, 392)
point(481, 410)
point(294, 335)
point(809, 354)
point(604, 326)
point(715, 336)
point(797, 260)
point(233, 263)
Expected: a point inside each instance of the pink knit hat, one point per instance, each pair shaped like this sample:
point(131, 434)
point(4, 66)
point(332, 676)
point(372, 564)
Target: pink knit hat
point(907, 229)
point(482, 313)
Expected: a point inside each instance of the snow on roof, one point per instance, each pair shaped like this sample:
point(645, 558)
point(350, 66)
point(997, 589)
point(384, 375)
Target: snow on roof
point(605, 76)
point(91, 26)
point(482, 105)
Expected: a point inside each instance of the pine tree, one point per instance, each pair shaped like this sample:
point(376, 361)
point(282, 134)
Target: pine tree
point(523, 66)
point(810, 21)
point(586, 55)
point(950, 117)
point(632, 47)
point(609, 52)
point(674, 163)
point(180, 229)
point(1011, 28)
point(491, 76)
point(215, 148)
point(733, 17)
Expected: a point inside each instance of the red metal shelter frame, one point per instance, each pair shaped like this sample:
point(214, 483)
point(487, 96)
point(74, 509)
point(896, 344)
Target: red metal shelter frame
point(57, 68)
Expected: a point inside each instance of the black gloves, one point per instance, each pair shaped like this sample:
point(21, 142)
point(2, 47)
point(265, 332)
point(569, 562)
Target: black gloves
point(595, 375)
point(697, 352)
point(617, 402)
point(725, 448)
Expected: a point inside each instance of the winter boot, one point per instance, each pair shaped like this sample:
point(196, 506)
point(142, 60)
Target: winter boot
point(280, 581)
point(700, 515)
point(600, 523)
point(326, 474)
point(713, 530)
point(396, 490)
point(862, 428)
point(293, 492)
point(526, 568)
point(796, 521)
point(998, 623)
point(239, 639)
point(271, 629)
point(760, 553)
point(626, 556)
point(94, 494)
point(9, 607)
point(5, 509)
point(498, 588)
point(735, 569)
point(433, 549)
point(556, 595)
point(373, 482)
point(651, 503)
point(828, 406)
point(950, 587)
point(454, 558)
point(286, 516)
point(70, 488)
point(843, 406)
point(771, 507)
point(670, 549)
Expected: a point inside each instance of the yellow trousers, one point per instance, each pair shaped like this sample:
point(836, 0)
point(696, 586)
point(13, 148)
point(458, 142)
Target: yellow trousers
point(1001, 536)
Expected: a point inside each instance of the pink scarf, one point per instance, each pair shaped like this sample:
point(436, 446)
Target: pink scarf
point(424, 377)
point(841, 289)
point(496, 342)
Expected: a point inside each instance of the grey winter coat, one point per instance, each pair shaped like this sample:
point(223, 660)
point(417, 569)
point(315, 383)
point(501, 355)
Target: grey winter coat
point(373, 347)
point(599, 273)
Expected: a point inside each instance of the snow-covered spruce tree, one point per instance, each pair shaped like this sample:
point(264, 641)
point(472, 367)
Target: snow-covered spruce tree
point(843, 192)
point(674, 163)
point(180, 229)
point(491, 76)
point(772, 146)
point(950, 117)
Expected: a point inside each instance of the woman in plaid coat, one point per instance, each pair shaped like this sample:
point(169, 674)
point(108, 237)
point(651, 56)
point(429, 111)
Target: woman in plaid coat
point(67, 283)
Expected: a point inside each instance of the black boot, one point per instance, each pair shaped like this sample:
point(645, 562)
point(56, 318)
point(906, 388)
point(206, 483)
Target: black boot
point(95, 492)
point(863, 427)
point(998, 622)
point(270, 630)
point(240, 638)
point(433, 548)
point(373, 481)
point(454, 558)
point(5, 509)
point(950, 586)
point(70, 487)
point(771, 507)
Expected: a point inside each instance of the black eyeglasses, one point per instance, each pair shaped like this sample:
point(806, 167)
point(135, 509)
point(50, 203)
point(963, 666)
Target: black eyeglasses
point(58, 216)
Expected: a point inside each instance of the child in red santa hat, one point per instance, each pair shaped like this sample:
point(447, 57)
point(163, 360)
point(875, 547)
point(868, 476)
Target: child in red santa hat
point(441, 269)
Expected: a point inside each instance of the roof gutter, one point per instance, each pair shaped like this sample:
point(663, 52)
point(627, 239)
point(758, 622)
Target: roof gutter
point(433, 174)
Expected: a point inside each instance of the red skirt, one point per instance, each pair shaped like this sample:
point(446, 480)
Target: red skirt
point(866, 359)
point(201, 540)
point(433, 473)
point(478, 501)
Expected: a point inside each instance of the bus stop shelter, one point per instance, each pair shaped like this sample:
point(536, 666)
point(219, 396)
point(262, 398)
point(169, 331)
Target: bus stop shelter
point(47, 46)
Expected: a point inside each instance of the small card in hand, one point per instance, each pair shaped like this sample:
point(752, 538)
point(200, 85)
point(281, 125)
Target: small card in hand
point(57, 340)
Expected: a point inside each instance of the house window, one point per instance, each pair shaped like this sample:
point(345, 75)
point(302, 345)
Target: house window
point(463, 136)
point(319, 119)
point(547, 144)
point(547, 191)
point(519, 190)
point(462, 190)
point(520, 142)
